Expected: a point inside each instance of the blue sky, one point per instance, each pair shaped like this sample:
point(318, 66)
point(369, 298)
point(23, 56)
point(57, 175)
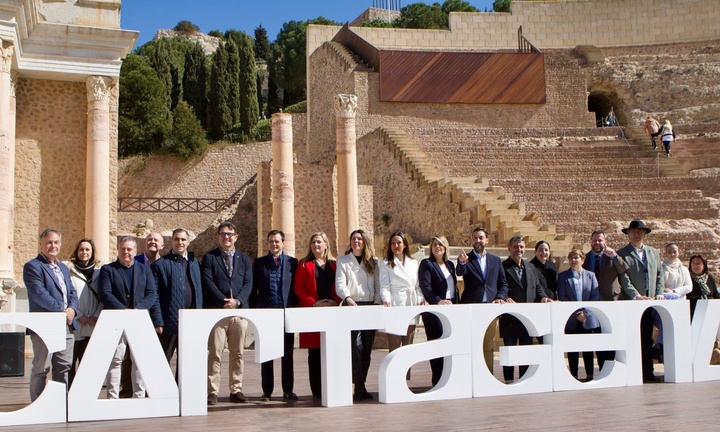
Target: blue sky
point(147, 16)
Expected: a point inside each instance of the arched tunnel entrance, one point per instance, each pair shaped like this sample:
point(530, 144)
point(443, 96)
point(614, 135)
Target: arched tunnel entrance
point(602, 103)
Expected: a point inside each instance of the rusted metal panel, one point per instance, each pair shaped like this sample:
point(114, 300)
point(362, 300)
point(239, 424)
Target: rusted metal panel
point(457, 77)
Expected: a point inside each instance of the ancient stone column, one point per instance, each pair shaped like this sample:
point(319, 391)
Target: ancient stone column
point(282, 179)
point(347, 184)
point(7, 162)
point(97, 174)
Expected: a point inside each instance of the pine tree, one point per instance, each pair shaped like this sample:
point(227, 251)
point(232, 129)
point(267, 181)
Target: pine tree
point(249, 110)
point(220, 119)
point(187, 136)
point(262, 44)
point(159, 55)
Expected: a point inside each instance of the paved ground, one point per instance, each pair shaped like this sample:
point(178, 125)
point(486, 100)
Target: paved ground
point(655, 407)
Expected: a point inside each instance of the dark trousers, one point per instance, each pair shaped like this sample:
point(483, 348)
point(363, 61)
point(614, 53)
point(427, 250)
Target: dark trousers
point(434, 330)
point(652, 138)
point(666, 144)
point(646, 343)
point(509, 371)
point(574, 357)
point(78, 351)
point(603, 356)
point(315, 371)
point(362, 345)
point(169, 344)
point(288, 376)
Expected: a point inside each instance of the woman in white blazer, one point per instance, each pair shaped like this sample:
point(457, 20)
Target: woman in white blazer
point(399, 284)
point(357, 284)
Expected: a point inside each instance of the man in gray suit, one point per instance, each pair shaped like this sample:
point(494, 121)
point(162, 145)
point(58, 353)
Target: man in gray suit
point(643, 280)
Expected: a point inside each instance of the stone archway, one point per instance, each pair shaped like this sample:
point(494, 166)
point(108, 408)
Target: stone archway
point(601, 101)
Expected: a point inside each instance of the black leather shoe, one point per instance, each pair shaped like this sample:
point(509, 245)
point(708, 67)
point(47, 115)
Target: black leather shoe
point(290, 396)
point(367, 396)
point(212, 399)
point(238, 397)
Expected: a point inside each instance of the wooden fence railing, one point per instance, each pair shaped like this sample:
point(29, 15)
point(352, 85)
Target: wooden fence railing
point(181, 205)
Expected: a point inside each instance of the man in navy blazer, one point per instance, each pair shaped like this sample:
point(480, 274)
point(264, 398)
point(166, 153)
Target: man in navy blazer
point(273, 276)
point(485, 282)
point(126, 284)
point(50, 289)
point(227, 282)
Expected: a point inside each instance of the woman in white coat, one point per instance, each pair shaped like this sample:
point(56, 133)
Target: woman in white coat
point(357, 284)
point(84, 270)
point(678, 284)
point(399, 284)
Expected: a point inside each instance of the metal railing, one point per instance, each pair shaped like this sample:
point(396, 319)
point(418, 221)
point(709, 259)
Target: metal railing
point(524, 45)
point(181, 205)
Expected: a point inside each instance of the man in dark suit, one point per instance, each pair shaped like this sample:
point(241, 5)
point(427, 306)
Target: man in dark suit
point(607, 266)
point(50, 289)
point(484, 279)
point(179, 286)
point(273, 276)
point(524, 286)
point(227, 282)
point(125, 284)
point(643, 280)
point(154, 244)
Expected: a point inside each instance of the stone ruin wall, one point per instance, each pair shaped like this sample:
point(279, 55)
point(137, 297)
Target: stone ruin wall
point(565, 89)
point(50, 164)
point(553, 24)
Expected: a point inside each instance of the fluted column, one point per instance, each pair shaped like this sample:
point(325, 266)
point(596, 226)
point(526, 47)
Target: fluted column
point(97, 174)
point(7, 162)
point(347, 184)
point(283, 180)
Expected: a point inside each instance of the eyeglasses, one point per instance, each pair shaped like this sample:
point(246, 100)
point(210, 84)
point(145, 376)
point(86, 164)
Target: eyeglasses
point(227, 234)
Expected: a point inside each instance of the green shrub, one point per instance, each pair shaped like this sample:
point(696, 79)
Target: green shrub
point(300, 107)
point(187, 137)
point(262, 130)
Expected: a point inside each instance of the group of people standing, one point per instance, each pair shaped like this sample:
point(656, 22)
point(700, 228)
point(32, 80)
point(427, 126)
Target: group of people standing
point(226, 279)
point(665, 131)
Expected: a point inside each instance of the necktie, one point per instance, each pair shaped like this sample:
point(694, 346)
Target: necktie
point(277, 261)
point(227, 257)
point(596, 270)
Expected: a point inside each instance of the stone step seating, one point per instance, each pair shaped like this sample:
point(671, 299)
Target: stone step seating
point(550, 185)
point(602, 184)
point(485, 205)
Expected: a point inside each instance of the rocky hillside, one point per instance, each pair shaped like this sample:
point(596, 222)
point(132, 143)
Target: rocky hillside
point(208, 43)
point(680, 82)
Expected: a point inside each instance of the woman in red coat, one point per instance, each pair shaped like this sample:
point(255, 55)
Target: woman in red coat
point(315, 287)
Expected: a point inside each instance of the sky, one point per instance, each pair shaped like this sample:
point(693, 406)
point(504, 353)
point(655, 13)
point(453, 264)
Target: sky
point(147, 16)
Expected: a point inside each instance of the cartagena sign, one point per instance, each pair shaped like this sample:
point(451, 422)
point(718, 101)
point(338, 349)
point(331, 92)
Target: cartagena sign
point(687, 353)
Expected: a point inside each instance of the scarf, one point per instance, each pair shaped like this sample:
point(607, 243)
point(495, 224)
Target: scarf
point(701, 282)
point(85, 270)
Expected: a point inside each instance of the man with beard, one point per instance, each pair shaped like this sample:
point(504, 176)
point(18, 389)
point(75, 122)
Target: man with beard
point(607, 266)
point(485, 282)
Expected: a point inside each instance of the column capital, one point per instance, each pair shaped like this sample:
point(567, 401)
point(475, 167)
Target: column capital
point(346, 105)
point(98, 89)
point(6, 55)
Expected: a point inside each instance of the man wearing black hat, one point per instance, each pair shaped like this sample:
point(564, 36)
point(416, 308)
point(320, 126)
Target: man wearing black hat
point(642, 281)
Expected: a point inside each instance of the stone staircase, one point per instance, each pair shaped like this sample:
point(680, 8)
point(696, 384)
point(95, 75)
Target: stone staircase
point(669, 167)
point(489, 206)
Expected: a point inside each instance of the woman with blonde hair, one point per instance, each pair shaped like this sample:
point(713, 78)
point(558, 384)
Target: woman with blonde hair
point(667, 136)
point(315, 287)
point(357, 284)
point(439, 286)
point(399, 283)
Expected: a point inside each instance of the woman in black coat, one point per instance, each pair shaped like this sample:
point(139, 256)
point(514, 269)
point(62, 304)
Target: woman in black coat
point(438, 283)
